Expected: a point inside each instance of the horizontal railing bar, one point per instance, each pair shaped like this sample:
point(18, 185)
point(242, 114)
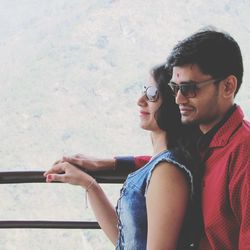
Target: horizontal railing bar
point(49, 224)
point(13, 177)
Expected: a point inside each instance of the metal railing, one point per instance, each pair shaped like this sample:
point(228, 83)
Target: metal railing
point(15, 177)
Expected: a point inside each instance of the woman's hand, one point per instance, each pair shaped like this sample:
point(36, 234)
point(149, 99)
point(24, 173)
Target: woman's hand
point(88, 162)
point(66, 172)
point(104, 211)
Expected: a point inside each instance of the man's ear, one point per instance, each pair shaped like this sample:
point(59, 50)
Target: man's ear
point(229, 86)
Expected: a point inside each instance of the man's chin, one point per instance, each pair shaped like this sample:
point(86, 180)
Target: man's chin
point(187, 120)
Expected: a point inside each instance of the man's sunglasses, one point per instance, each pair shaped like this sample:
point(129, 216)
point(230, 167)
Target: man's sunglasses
point(189, 89)
point(151, 93)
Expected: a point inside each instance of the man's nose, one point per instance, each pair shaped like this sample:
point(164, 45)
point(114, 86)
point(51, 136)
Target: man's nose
point(180, 98)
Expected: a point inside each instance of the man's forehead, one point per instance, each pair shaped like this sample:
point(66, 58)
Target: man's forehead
point(187, 67)
point(181, 73)
point(187, 72)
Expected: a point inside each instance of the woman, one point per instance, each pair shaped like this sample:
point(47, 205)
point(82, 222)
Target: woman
point(152, 208)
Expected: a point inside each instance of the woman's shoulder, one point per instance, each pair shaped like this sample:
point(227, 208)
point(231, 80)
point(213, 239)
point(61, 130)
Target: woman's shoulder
point(169, 163)
point(169, 158)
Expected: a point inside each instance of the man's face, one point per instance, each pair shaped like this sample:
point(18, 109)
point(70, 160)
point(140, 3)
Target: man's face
point(204, 108)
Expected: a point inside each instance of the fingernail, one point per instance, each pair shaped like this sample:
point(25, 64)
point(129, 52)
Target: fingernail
point(49, 178)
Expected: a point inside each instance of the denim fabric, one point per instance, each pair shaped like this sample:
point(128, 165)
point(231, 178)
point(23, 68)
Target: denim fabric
point(131, 206)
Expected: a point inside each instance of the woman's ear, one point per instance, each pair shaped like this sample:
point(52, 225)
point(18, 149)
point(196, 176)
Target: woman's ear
point(229, 86)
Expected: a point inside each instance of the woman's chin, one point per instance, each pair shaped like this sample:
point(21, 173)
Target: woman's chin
point(144, 126)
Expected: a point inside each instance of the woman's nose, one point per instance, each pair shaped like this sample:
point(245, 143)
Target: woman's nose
point(142, 100)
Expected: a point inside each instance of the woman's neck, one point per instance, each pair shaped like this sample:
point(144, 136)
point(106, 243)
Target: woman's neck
point(159, 141)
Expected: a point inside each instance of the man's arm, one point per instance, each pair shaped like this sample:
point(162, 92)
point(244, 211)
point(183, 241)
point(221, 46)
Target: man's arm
point(239, 189)
point(130, 162)
point(118, 163)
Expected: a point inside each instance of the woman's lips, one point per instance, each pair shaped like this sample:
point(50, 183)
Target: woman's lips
point(143, 113)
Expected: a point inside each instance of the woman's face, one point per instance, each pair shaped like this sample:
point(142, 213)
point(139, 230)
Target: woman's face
point(149, 106)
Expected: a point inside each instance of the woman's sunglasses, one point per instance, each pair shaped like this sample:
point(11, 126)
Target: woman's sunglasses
point(151, 93)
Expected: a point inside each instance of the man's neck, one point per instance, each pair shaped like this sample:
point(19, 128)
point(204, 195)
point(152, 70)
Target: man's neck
point(206, 128)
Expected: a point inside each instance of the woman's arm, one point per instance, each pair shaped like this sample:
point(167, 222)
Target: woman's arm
point(103, 209)
point(166, 199)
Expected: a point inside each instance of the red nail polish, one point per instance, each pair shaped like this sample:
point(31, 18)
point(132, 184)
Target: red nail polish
point(49, 178)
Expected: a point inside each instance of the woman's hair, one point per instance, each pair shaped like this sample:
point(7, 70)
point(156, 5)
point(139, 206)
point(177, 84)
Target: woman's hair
point(181, 141)
point(181, 138)
point(168, 115)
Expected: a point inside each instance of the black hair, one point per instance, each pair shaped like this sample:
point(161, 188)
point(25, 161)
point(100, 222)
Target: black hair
point(181, 141)
point(216, 53)
point(168, 117)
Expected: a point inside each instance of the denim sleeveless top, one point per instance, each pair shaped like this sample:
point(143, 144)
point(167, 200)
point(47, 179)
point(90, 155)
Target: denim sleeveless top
point(131, 206)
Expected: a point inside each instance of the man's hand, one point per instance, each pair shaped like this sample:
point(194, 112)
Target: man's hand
point(88, 162)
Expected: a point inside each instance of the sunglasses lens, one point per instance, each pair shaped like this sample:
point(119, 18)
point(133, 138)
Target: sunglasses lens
point(174, 87)
point(151, 93)
point(188, 90)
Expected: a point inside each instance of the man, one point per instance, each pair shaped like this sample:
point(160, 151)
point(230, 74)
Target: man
point(207, 72)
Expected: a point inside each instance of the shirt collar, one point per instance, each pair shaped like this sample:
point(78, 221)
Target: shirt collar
point(221, 132)
point(225, 131)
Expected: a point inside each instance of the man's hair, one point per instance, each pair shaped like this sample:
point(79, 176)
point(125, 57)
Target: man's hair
point(216, 53)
